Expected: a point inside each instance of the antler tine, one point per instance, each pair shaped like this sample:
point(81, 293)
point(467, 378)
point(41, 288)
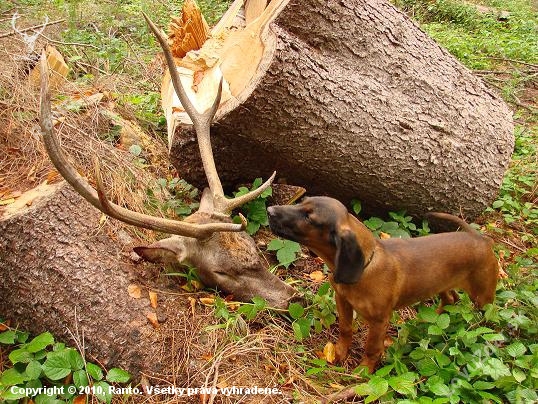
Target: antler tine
point(234, 203)
point(201, 121)
point(98, 198)
point(182, 94)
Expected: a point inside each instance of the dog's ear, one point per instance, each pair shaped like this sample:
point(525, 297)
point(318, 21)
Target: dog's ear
point(349, 262)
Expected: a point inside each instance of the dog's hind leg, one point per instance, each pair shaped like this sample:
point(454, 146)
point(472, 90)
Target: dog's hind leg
point(483, 284)
point(448, 297)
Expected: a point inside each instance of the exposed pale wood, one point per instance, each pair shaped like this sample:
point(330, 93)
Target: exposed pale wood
point(227, 19)
point(253, 9)
point(235, 55)
point(189, 31)
point(243, 51)
point(57, 67)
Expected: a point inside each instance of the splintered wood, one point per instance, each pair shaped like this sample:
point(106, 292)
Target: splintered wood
point(189, 31)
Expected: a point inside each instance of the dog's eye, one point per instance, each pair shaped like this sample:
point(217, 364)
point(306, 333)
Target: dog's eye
point(307, 217)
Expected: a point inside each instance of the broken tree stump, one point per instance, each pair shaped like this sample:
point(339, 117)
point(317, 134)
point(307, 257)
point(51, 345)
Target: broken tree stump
point(348, 99)
point(60, 272)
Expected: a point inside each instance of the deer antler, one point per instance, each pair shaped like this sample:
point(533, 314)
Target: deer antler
point(202, 124)
point(98, 198)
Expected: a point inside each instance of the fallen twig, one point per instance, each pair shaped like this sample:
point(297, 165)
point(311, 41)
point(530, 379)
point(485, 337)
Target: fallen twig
point(13, 32)
point(521, 62)
point(342, 395)
point(87, 45)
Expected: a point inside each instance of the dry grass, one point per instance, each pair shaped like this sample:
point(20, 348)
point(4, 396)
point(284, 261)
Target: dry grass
point(24, 163)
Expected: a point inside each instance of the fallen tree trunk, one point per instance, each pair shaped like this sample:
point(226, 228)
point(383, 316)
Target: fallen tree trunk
point(348, 99)
point(60, 273)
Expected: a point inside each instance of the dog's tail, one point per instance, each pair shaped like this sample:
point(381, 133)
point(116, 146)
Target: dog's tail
point(454, 219)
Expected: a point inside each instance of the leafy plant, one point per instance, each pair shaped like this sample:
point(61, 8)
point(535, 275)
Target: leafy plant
point(234, 315)
point(256, 210)
point(287, 251)
point(192, 280)
point(318, 315)
point(517, 194)
point(44, 363)
point(180, 196)
point(400, 227)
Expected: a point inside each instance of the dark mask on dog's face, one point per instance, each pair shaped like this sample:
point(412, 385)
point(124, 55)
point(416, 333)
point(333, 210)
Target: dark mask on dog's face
point(320, 223)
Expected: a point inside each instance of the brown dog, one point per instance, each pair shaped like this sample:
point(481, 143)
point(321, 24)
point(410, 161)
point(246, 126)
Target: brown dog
point(374, 277)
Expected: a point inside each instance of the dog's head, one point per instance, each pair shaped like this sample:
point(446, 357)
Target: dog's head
point(322, 224)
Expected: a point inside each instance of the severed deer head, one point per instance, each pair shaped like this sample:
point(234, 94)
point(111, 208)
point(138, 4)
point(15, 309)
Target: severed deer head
point(224, 255)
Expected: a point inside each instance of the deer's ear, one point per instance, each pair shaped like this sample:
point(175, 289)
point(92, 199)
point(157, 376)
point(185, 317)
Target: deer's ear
point(168, 250)
point(349, 260)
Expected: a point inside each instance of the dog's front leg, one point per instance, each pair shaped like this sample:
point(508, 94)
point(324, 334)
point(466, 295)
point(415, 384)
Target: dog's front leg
point(345, 321)
point(374, 347)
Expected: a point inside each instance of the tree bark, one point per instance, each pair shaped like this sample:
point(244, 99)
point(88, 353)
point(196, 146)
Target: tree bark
point(60, 273)
point(351, 99)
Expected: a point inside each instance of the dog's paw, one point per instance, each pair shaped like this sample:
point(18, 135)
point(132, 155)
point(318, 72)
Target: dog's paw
point(369, 363)
point(341, 351)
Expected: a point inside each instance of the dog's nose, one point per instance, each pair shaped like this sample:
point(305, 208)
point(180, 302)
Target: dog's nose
point(271, 210)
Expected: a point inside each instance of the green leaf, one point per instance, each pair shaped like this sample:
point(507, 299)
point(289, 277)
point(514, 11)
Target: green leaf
point(296, 310)
point(12, 377)
point(47, 399)
point(363, 389)
point(404, 383)
point(75, 359)
point(399, 233)
point(297, 331)
point(275, 244)
point(443, 321)
point(288, 253)
point(516, 349)
point(440, 389)
point(427, 314)
point(497, 204)
point(356, 206)
point(489, 396)
point(22, 337)
point(378, 387)
point(435, 330)
point(80, 378)
point(249, 310)
point(374, 223)
point(324, 289)
point(305, 325)
point(20, 355)
point(519, 375)
point(33, 370)
point(102, 392)
point(495, 368)
point(483, 385)
point(259, 302)
point(135, 150)
point(493, 337)
point(95, 372)
point(427, 367)
point(117, 375)
point(384, 371)
point(442, 359)
point(7, 395)
point(40, 342)
point(57, 365)
point(8, 337)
